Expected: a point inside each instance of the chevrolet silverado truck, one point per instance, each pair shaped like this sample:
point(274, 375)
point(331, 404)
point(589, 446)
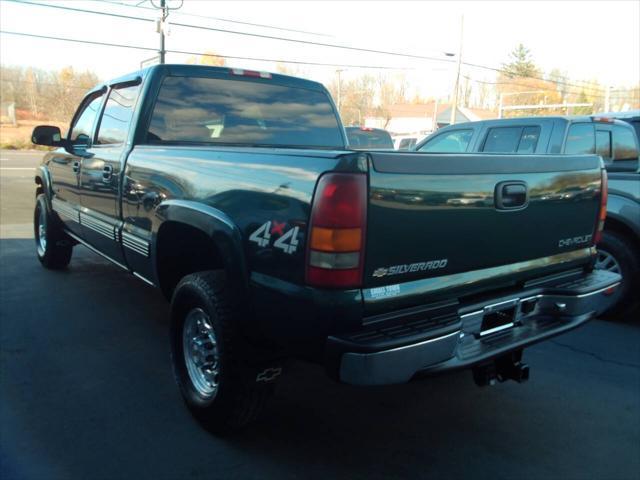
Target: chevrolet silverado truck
point(604, 134)
point(233, 192)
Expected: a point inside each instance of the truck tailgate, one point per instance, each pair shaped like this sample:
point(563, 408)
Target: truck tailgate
point(433, 215)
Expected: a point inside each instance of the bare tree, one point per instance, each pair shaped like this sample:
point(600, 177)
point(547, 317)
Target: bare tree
point(391, 91)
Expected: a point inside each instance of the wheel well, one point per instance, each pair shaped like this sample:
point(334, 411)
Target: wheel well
point(182, 250)
point(619, 227)
point(40, 186)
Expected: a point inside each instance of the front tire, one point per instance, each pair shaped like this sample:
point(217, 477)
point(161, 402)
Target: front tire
point(220, 379)
point(53, 246)
point(616, 253)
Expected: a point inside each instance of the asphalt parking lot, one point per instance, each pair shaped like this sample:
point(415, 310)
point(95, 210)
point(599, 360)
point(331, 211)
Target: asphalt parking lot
point(87, 392)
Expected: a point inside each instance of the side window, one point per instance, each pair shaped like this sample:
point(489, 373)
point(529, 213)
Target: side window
point(580, 139)
point(624, 144)
point(512, 139)
point(456, 141)
point(115, 121)
point(406, 143)
point(529, 139)
point(603, 144)
point(82, 129)
point(502, 140)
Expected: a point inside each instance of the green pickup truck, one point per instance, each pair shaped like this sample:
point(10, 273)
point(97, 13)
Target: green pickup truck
point(234, 193)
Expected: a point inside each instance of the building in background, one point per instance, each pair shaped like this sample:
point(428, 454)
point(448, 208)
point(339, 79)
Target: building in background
point(409, 123)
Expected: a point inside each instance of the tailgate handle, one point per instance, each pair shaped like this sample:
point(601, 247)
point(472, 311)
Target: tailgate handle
point(511, 195)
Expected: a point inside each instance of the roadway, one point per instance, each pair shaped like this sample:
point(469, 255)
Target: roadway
point(87, 392)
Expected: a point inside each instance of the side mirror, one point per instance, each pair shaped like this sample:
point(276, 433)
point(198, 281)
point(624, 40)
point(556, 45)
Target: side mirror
point(47, 135)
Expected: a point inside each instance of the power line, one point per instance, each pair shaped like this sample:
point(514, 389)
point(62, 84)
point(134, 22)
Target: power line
point(295, 62)
point(81, 10)
point(160, 7)
point(204, 54)
point(307, 42)
point(75, 40)
point(26, 82)
point(220, 19)
point(589, 91)
point(501, 70)
point(247, 34)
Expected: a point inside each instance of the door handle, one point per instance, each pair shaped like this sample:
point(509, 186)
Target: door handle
point(511, 195)
point(75, 166)
point(107, 172)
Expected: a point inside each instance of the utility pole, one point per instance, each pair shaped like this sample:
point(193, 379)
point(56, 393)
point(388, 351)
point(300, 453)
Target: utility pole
point(434, 119)
point(162, 52)
point(339, 71)
point(454, 103)
point(607, 98)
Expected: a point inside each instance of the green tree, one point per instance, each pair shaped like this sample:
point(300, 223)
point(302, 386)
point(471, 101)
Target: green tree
point(520, 63)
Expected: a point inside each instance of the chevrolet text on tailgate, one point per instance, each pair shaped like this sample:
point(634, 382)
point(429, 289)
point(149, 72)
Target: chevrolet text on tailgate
point(234, 193)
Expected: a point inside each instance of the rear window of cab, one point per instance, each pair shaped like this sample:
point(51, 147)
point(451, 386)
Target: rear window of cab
point(241, 112)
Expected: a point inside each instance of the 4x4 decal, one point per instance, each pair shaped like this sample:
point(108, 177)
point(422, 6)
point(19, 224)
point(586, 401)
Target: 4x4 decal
point(287, 241)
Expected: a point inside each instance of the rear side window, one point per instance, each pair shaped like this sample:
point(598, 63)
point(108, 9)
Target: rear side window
point(529, 139)
point(624, 144)
point(359, 138)
point(210, 110)
point(512, 139)
point(456, 141)
point(603, 144)
point(406, 143)
point(580, 139)
point(80, 133)
point(636, 126)
point(116, 117)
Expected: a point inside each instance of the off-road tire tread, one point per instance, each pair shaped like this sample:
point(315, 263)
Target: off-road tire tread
point(240, 400)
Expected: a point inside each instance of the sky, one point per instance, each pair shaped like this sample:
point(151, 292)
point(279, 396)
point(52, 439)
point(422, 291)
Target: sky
point(586, 39)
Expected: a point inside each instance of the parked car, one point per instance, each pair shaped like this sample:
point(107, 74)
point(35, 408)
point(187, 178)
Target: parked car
point(614, 140)
point(632, 117)
point(404, 143)
point(271, 239)
point(359, 138)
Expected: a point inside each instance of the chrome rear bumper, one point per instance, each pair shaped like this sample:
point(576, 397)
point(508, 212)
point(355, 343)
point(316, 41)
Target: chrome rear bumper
point(534, 316)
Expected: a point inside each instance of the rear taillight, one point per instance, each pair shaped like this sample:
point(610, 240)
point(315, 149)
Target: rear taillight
point(602, 214)
point(335, 248)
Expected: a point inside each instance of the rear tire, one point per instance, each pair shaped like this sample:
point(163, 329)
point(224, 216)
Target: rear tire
point(223, 384)
point(53, 246)
point(617, 253)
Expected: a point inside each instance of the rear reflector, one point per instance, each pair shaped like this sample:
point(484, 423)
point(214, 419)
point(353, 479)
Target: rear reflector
point(322, 277)
point(602, 213)
point(337, 230)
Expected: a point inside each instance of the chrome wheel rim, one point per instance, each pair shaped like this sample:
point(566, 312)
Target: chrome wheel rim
point(41, 241)
point(201, 354)
point(606, 261)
